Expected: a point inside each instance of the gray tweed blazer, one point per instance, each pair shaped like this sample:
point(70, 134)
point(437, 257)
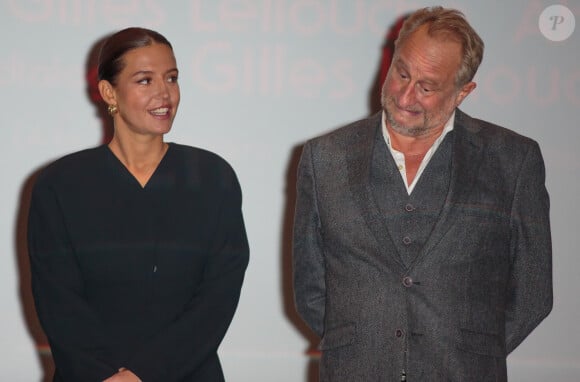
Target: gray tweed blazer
point(485, 270)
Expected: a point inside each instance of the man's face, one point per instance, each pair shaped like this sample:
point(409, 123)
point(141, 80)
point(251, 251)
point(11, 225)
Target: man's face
point(420, 94)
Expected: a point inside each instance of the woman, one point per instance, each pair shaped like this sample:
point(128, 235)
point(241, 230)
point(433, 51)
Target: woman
point(138, 248)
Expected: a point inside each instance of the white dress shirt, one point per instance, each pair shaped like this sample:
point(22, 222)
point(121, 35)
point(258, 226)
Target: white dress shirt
point(399, 157)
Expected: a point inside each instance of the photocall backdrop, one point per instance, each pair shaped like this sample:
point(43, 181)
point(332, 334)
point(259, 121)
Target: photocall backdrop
point(258, 78)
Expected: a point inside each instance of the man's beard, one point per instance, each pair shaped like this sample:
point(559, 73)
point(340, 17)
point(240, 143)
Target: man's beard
point(412, 131)
point(409, 130)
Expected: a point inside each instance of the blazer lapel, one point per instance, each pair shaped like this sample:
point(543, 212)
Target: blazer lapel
point(467, 156)
point(359, 169)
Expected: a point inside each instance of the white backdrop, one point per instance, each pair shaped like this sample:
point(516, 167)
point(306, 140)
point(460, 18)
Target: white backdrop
point(258, 78)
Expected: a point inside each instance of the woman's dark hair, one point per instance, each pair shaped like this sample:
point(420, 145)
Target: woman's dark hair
point(112, 52)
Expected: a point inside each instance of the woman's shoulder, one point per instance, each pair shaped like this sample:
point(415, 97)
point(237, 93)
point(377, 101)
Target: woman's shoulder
point(199, 157)
point(72, 165)
point(205, 167)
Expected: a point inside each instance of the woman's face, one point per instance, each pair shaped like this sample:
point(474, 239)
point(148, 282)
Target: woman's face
point(147, 92)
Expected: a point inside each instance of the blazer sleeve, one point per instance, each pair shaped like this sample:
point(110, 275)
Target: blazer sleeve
point(179, 349)
point(530, 294)
point(79, 343)
point(308, 254)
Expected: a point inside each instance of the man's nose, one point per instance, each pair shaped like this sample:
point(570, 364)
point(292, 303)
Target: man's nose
point(407, 96)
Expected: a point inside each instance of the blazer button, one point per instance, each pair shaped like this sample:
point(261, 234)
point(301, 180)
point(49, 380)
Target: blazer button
point(409, 207)
point(407, 240)
point(399, 333)
point(408, 282)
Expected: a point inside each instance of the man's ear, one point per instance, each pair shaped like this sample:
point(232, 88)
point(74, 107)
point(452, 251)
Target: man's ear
point(107, 92)
point(464, 92)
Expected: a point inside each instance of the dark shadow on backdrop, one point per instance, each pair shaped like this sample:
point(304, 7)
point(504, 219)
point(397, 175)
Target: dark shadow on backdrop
point(20, 242)
point(388, 48)
point(91, 77)
point(374, 105)
point(25, 291)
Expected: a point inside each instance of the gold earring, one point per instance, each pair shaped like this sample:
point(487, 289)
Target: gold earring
point(112, 109)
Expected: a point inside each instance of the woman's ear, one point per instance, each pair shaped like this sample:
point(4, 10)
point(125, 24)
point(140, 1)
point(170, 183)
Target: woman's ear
point(107, 92)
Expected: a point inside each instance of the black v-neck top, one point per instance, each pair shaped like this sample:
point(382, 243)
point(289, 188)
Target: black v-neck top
point(146, 278)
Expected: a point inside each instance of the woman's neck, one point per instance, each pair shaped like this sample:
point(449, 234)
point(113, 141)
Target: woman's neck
point(140, 156)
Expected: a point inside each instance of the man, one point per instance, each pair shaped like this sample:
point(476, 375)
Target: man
point(422, 244)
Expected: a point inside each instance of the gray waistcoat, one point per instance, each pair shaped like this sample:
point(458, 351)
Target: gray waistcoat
point(410, 218)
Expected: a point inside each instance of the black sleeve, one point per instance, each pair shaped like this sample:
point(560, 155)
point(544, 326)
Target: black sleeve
point(77, 338)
